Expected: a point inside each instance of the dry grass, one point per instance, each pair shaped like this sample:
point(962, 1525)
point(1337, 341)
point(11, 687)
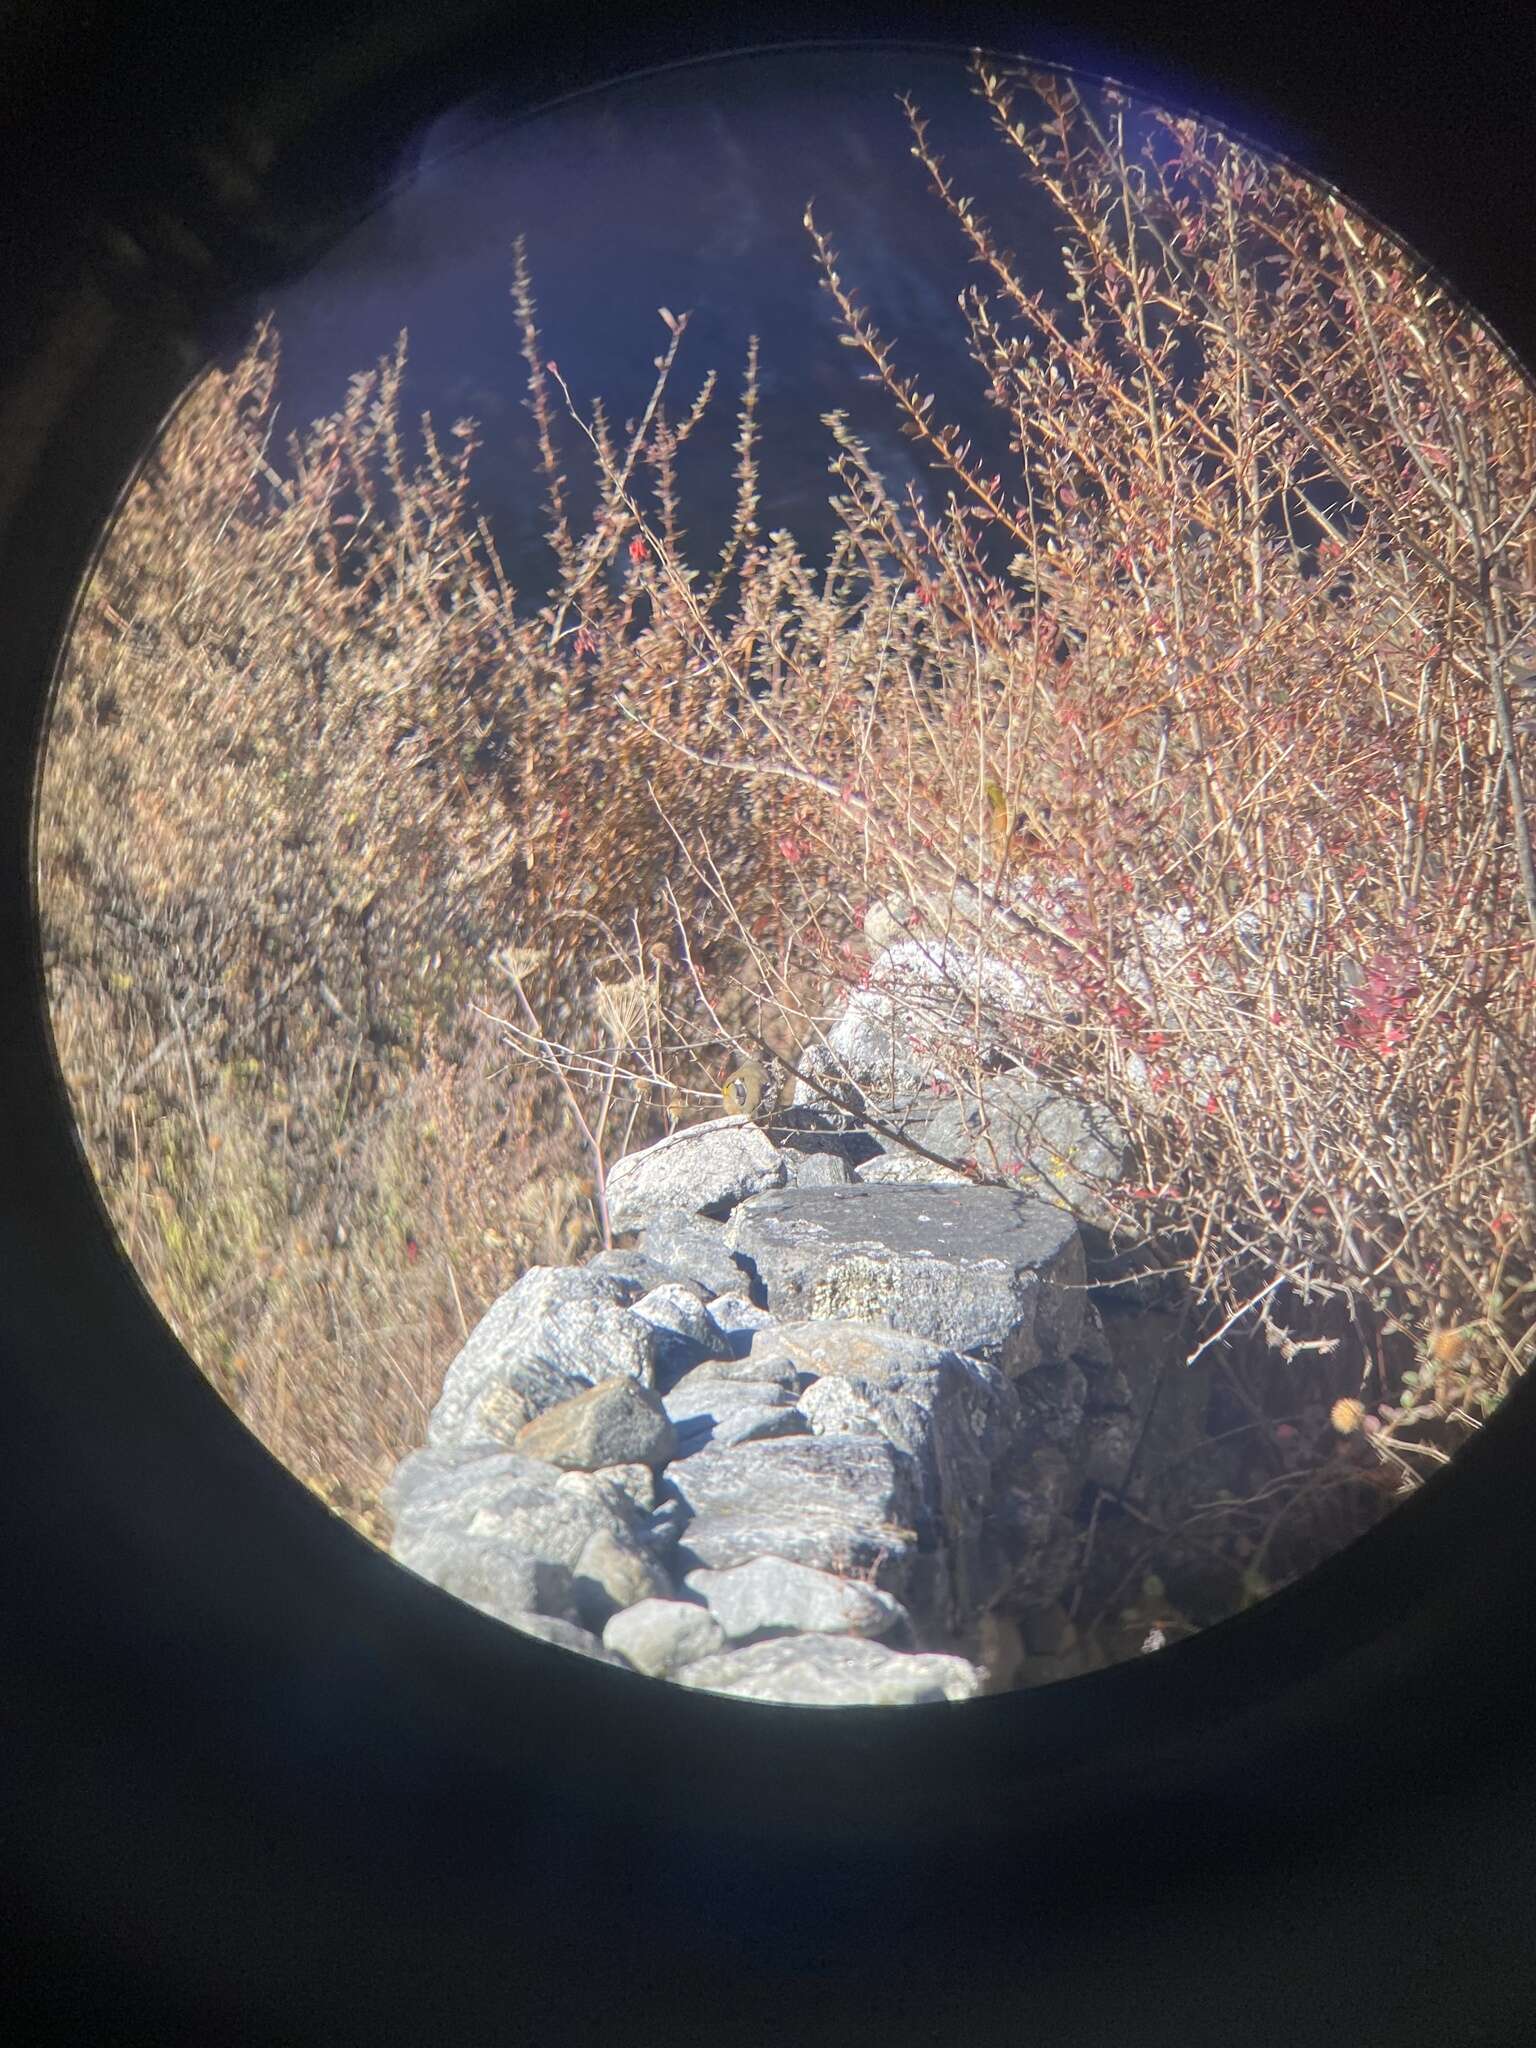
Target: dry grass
point(331, 811)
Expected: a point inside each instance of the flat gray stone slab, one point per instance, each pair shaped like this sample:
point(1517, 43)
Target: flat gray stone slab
point(834, 1671)
point(843, 1504)
point(770, 1596)
point(986, 1271)
point(828, 1542)
point(861, 1478)
point(503, 1497)
point(498, 1577)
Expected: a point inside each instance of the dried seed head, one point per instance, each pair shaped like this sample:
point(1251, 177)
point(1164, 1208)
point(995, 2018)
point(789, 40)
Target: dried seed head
point(1449, 1347)
point(1347, 1416)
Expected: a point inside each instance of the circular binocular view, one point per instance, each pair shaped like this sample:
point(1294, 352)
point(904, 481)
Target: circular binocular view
point(786, 871)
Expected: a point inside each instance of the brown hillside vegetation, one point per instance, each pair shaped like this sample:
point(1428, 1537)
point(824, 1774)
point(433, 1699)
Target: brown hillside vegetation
point(384, 903)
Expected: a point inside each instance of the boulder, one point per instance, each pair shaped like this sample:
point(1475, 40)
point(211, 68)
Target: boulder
point(834, 1671)
point(706, 1410)
point(615, 1570)
point(636, 1267)
point(500, 1578)
point(817, 1170)
point(843, 1504)
point(703, 1170)
point(981, 1270)
point(617, 1422)
point(921, 996)
point(566, 1635)
point(952, 1417)
point(692, 1250)
point(1019, 1131)
point(771, 1597)
point(636, 1482)
point(659, 1637)
point(683, 1331)
point(561, 1328)
point(736, 1321)
point(517, 1500)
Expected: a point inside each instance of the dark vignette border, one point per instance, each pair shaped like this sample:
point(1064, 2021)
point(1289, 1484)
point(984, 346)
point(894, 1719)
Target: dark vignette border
point(260, 1784)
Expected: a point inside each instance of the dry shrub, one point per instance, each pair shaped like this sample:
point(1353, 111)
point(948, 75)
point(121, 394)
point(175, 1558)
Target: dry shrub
point(1237, 642)
point(1232, 656)
point(1204, 727)
point(311, 772)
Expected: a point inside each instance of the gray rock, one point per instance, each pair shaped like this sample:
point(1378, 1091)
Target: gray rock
point(1034, 1137)
point(600, 1339)
point(832, 1078)
point(566, 1635)
point(834, 1671)
point(692, 1249)
point(813, 1347)
point(1051, 1404)
point(747, 1423)
point(615, 1570)
point(771, 1596)
point(505, 1497)
point(765, 1361)
point(920, 1000)
point(1092, 1347)
point(658, 1637)
point(430, 1488)
point(814, 1124)
point(617, 1422)
point(1108, 1444)
point(861, 1478)
point(842, 1504)
point(819, 1351)
point(633, 1266)
point(818, 1138)
point(736, 1321)
point(559, 1329)
point(664, 1526)
point(869, 1054)
point(906, 1169)
point(980, 1270)
point(636, 1482)
point(1029, 1503)
point(703, 1170)
point(704, 1410)
point(951, 1417)
point(498, 1577)
point(500, 1411)
point(684, 1333)
point(817, 1170)
point(887, 1558)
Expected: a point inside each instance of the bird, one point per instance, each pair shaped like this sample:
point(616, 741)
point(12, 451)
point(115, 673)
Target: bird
point(752, 1087)
point(1010, 831)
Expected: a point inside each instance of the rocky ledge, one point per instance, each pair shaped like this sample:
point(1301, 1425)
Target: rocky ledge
point(817, 1435)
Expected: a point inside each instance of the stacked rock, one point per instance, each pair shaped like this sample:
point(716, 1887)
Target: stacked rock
point(818, 1429)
